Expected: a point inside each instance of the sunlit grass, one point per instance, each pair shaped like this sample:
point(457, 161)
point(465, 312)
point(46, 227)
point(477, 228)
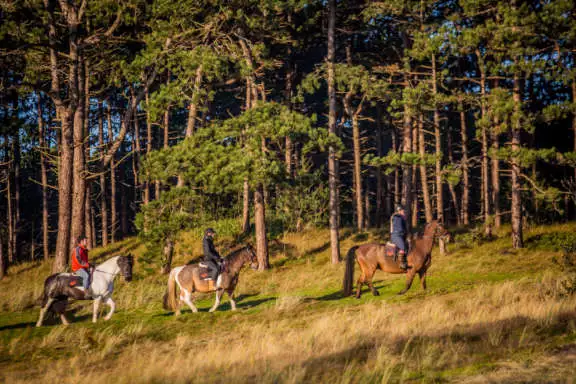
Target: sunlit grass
point(490, 314)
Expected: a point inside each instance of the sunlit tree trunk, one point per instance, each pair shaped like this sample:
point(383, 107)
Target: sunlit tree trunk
point(44, 180)
point(113, 205)
point(451, 188)
point(517, 236)
point(380, 193)
point(146, 197)
point(465, 172)
point(332, 162)
point(484, 130)
point(423, 171)
point(103, 189)
point(260, 225)
point(438, 146)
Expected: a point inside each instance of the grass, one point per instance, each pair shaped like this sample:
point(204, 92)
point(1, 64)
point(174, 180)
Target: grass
point(491, 314)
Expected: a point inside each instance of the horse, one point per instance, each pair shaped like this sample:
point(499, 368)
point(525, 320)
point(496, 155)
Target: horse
point(58, 289)
point(188, 279)
point(372, 256)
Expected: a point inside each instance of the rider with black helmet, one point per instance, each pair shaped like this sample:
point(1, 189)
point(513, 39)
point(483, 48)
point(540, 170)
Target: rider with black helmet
point(211, 257)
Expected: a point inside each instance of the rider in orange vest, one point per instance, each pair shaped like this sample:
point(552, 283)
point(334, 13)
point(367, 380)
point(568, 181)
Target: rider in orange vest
point(80, 265)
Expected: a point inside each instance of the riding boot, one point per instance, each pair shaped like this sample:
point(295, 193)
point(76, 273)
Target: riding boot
point(403, 261)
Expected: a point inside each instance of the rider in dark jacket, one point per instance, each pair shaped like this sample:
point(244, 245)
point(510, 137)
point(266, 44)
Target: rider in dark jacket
point(211, 257)
point(398, 232)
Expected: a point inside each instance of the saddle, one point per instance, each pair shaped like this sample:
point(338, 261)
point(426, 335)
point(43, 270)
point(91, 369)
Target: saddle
point(204, 271)
point(391, 250)
point(71, 280)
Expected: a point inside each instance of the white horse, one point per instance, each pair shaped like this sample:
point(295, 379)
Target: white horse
point(58, 288)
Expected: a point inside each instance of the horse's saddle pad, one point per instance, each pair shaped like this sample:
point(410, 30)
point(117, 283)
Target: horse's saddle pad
point(71, 279)
point(390, 249)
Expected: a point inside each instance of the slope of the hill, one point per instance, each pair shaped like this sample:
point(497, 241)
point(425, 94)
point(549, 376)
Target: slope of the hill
point(491, 314)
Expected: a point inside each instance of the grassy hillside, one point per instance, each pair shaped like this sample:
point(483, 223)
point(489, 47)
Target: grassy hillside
point(491, 314)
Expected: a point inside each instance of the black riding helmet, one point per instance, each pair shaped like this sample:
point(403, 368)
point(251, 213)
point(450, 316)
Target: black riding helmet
point(209, 231)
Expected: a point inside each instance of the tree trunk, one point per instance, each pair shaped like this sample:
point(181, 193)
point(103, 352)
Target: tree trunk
point(438, 149)
point(44, 180)
point(465, 173)
point(358, 172)
point(397, 191)
point(332, 162)
point(246, 207)
point(193, 108)
point(2, 260)
point(146, 197)
point(415, 149)
point(168, 252)
point(193, 111)
point(79, 167)
point(574, 119)
point(260, 227)
point(103, 191)
point(517, 237)
point(423, 172)
point(65, 166)
point(136, 157)
point(9, 201)
point(379, 177)
point(451, 188)
point(407, 148)
point(88, 215)
point(485, 174)
point(17, 224)
point(113, 213)
point(288, 96)
point(496, 175)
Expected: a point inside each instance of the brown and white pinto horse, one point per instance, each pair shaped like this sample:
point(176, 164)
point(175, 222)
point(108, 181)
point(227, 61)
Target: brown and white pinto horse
point(188, 279)
point(371, 257)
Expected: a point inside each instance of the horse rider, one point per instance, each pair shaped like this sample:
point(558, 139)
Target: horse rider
point(80, 264)
point(211, 257)
point(398, 232)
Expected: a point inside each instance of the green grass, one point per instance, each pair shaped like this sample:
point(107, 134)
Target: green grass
point(490, 314)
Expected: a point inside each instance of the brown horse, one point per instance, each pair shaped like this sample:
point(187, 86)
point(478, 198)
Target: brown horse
point(373, 256)
point(188, 279)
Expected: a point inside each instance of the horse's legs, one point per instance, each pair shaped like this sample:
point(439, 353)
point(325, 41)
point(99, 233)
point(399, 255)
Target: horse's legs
point(188, 300)
point(360, 282)
point(112, 306)
point(43, 311)
point(96, 308)
point(230, 293)
point(64, 319)
point(409, 278)
point(422, 275)
point(368, 280)
point(219, 294)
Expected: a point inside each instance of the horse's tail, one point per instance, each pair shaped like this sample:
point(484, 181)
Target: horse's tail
point(349, 272)
point(170, 295)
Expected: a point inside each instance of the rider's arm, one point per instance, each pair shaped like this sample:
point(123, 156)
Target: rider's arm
point(79, 260)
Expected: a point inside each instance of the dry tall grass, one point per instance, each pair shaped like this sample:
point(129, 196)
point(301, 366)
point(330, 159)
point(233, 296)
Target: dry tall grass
point(474, 326)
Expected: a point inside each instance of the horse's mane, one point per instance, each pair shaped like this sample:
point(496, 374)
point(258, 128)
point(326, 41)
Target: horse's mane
point(235, 254)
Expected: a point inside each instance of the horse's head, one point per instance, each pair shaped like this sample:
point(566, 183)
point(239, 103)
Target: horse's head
point(441, 232)
point(253, 258)
point(125, 263)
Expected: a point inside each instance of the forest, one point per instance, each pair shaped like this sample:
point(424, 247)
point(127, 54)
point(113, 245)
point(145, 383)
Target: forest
point(259, 117)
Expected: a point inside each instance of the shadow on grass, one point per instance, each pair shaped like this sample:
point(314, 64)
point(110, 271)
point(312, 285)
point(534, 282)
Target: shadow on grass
point(17, 326)
point(338, 295)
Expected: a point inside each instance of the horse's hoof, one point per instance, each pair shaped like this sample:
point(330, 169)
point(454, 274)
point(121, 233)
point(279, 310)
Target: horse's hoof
point(376, 293)
point(357, 297)
point(401, 293)
point(38, 325)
